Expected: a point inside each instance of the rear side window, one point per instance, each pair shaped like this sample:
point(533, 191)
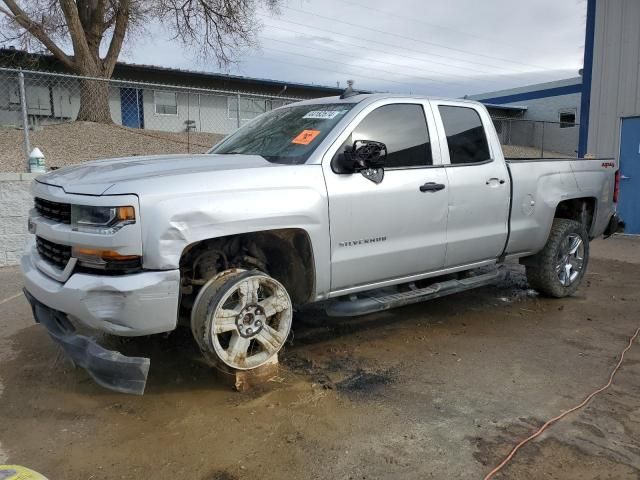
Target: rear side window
point(466, 137)
point(403, 129)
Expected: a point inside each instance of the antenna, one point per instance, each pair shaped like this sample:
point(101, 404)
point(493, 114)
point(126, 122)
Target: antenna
point(349, 91)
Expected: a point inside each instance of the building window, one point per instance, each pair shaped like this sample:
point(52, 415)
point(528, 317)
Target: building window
point(166, 103)
point(567, 119)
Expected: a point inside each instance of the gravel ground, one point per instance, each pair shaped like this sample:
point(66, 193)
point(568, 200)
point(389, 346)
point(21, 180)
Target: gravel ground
point(70, 143)
point(439, 390)
point(519, 151)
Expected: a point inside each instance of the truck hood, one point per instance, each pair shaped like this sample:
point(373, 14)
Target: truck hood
point(97, 177)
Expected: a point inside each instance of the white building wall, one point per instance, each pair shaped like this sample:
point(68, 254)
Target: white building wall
point(57, 99)
point(546, 109)
point(114, 105)
point(556, 139)
point(15, 202)
point(10, 114)
point(210, 113)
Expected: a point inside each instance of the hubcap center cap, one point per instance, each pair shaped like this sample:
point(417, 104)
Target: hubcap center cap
point(250, 321)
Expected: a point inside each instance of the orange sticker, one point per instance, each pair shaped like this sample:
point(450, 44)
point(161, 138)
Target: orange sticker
point(305, 137)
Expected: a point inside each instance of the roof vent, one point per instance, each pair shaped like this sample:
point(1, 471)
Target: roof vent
point(349, 91)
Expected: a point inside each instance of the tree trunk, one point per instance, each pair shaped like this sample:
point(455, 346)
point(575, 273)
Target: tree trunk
point(94, 101)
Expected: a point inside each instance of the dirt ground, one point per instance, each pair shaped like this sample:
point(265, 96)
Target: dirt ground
point(440, 390)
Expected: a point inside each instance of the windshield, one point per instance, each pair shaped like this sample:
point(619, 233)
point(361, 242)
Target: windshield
point(286, 135)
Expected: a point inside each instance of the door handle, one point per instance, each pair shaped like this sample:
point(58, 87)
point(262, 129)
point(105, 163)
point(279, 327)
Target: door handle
point(431, 187)
point(494, 179)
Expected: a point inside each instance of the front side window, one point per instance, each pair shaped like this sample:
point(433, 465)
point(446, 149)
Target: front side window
point(166, 103)
point(466, 136)
point(287, 135)
point(403, 129)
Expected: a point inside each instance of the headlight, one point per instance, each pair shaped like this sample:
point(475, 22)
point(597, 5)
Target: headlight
point(101, 220)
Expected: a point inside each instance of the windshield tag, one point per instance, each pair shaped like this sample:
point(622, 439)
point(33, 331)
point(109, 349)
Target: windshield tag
point(323, 114)
point(305, 137)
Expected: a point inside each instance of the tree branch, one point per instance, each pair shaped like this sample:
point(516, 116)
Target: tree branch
point(76, 32)
point(21, 18)
point(117, 38)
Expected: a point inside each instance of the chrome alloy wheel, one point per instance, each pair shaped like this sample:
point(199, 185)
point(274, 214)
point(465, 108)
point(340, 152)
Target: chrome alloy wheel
point(251, 322)
point(570, 259)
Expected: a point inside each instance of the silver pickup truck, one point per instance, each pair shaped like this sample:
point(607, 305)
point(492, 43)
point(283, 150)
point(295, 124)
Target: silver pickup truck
point(362, 202)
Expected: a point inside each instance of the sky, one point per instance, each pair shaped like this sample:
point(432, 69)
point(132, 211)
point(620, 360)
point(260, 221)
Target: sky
point(430, 47)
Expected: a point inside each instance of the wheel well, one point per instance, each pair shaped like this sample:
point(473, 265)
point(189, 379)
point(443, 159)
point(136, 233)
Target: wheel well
point(579, 209)
point(285, 254)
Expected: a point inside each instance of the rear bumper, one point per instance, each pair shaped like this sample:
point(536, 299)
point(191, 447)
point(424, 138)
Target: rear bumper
point(128, 305)
point(108, 368)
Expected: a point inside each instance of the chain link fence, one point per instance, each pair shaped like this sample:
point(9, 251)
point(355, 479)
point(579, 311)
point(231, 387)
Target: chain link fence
point(522, 138)
point(73, 119)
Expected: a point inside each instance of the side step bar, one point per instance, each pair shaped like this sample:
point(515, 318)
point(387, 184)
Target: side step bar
point(379, 300)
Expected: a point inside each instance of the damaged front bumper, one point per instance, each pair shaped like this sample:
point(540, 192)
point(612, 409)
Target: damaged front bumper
point(108, 368)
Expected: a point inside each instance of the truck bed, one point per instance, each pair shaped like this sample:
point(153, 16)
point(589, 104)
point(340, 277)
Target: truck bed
point(539, 184)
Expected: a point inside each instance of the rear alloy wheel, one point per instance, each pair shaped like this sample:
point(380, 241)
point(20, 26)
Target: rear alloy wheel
point(558, 269)
point(570, 259)
point(242, 319)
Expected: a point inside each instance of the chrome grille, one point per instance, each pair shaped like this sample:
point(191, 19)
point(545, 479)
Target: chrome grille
point(53, 253)
point(60, 212)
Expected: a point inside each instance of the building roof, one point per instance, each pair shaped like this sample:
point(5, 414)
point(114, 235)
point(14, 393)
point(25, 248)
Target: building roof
point(361, 96)
point(124, 67)
point(10, 57)
point(513, 108)
point(530, 92)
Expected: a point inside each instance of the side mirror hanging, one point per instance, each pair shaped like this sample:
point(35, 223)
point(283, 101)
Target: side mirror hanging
point(366, 157)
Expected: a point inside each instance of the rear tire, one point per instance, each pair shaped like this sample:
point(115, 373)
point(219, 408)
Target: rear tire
point(558, 269)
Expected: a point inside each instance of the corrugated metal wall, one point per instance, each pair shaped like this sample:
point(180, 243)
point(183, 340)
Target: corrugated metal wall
point(615, 89)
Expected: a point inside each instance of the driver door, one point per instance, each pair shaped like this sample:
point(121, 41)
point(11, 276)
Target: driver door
point(387, 231)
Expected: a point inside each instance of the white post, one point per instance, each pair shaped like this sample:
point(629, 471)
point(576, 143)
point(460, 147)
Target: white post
point(25, 118)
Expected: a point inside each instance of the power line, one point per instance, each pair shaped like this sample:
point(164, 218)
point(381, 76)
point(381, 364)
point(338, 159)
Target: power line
point(322, 69)
point(351, 66)
point(368, 47)
point(463, 67)
point(404, 37)
point(421, 22)
point(377, 61)
point(325, 70)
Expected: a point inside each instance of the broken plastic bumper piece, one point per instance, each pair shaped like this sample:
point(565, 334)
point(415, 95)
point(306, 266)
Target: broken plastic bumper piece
point(108, 368)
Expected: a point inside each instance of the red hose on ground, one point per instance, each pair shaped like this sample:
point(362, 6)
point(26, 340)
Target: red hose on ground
point(538, 432)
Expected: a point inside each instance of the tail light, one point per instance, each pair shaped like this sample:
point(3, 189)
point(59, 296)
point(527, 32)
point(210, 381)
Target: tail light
point(616, 187)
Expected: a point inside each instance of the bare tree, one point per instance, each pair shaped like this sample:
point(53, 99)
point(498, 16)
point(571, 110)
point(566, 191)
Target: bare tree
point(95, 31)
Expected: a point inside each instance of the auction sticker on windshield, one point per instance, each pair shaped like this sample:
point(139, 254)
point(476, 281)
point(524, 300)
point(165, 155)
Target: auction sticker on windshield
point(305, 137)
point(323, 114)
